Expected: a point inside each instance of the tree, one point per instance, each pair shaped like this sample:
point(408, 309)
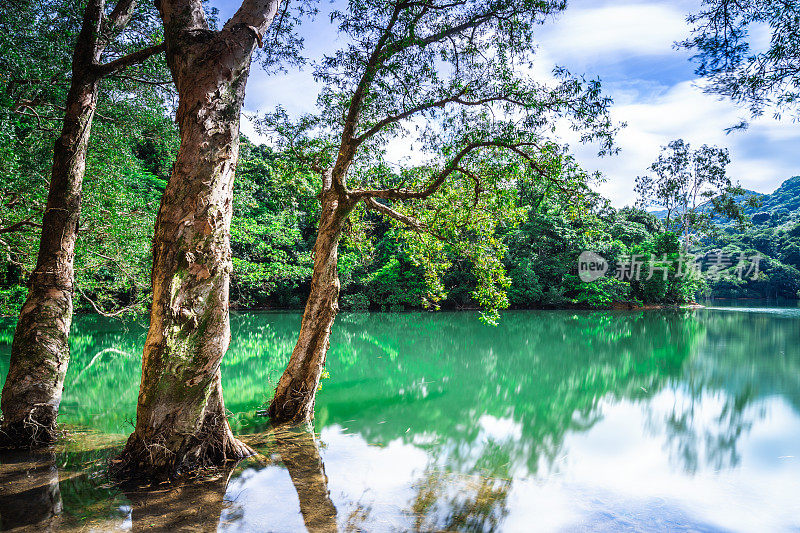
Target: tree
point(40, 351)
point(691, 186)
point(111, 265)
point(738, 69)
point(180, 416)
point(456, 71)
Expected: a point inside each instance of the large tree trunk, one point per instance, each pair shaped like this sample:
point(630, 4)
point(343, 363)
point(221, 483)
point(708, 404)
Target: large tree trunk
point(39, 352)
point(181, 422)
point(296, 391)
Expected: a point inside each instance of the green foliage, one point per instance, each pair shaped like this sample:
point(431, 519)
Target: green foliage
point(458, 73)
point(502, 231)
point(661, 279)
point(778, 270)
point(599, 294)
point(121, 197)
point(11, 300)
point(120, 190)
point(396, 285)
point(756, 73)
point(780, 208)
point(275, 212)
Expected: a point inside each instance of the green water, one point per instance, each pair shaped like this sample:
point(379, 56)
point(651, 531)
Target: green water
point(552, 421)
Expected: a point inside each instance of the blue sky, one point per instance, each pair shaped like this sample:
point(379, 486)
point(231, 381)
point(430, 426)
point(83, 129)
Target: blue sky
point(629, 45)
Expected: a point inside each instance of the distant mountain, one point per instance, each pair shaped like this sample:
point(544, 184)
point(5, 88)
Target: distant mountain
point(785, 201)
point(662, 213)
point(777, 208)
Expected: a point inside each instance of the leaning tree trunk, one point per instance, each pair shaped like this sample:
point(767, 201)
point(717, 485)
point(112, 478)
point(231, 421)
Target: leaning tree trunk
point(297, 388)
point(39, 351)
point(181, 422)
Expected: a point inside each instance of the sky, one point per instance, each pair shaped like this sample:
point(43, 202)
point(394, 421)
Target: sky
point(630, 47)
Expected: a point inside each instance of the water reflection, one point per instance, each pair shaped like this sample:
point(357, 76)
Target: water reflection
point(298, 451)
point(551, 421)
point(30, 497)
point(445, 502)
point(194, 505)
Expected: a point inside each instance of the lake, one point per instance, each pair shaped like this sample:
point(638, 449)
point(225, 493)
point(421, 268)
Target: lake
point(551, 421)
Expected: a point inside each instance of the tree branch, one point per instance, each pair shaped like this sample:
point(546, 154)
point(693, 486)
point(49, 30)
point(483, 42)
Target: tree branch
point(347, 146)
point(131, 59)
point(142, 80)
point(100, 311)
point(404, 115)
point(476, 179)
point(436, 183)
point(384, 209)
point(256, 14)
point(117, 20)
point(449, 32)
point(454, 99)
point(17, 226)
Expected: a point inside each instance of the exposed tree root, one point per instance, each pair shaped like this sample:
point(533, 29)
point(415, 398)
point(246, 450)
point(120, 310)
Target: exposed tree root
point(164, 457)
point(30, 433)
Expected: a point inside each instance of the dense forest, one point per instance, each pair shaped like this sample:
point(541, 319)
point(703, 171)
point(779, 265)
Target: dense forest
point(132, 151)
point(274, 225)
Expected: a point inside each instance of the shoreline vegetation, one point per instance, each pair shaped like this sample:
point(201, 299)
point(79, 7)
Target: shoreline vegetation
point(614, 306)
point(274, 228)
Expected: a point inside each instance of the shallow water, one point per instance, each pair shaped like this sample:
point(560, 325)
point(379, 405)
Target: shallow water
point(552, 421)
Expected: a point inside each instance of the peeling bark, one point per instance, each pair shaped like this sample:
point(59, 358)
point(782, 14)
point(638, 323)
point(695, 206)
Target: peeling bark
point(181, 422)
point(296, 391)
point(39, 352)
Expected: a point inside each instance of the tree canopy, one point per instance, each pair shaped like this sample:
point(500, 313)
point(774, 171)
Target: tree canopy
point(453, 80)
point(725, 37)
point(129, 156)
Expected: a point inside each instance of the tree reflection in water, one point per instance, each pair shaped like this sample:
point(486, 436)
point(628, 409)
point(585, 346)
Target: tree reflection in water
point(30, 495)
point(298, 450)
point(189, 505)
point(451, 502)
point(442, 501)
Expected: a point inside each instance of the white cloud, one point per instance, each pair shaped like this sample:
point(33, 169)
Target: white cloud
point(684, 111)
point(631, 47)
point(630, 29)
point(248, 129)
